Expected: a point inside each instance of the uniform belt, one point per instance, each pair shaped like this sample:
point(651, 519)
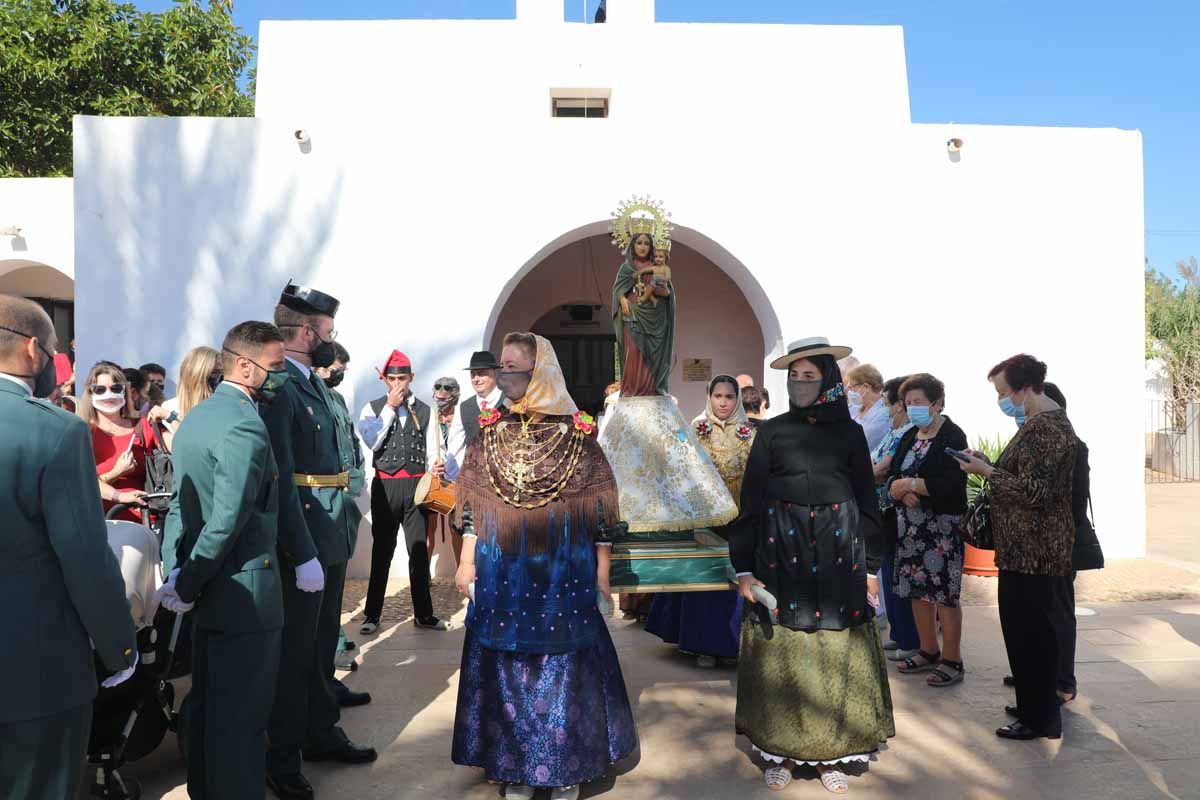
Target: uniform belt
point(339, 481)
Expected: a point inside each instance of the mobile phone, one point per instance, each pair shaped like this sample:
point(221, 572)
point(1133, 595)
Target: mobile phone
point(961, 455)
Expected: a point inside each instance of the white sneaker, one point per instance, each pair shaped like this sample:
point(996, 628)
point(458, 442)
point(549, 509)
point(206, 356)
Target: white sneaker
point(516, 791)
point(565, 793)
point(369, 626)
point(901, 655)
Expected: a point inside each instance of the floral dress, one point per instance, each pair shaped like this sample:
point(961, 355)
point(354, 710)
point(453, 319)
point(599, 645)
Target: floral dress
point(929, 554)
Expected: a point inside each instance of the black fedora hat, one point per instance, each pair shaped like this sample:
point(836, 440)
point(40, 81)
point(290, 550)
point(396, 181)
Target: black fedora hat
point(307, 300)
point(806, 348)
point(483, 359)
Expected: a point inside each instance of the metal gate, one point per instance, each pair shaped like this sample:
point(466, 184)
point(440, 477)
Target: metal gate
point(1172, 440)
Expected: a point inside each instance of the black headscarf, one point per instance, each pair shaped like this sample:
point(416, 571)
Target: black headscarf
point(831, 379)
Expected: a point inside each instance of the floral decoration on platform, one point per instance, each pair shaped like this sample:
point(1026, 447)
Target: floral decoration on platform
point(703, 429)
point(585, 423)
point(489, 416)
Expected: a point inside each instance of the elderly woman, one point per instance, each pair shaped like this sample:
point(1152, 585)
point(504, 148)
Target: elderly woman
point(541, 698)
point(930, 496)
point(812, 683)
point(903, 642)
point(864, 392)
point(1034, 530)
point(708, 624)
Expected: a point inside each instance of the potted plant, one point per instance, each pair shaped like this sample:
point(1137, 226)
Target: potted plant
point(976, 561)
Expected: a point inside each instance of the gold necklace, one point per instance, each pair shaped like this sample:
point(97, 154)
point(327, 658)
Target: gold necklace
point(515, 458)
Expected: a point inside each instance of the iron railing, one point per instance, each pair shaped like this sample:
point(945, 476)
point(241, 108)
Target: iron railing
point(1172, 440)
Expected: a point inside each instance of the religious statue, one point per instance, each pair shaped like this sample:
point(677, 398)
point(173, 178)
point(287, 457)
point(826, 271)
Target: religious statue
point(665, 480)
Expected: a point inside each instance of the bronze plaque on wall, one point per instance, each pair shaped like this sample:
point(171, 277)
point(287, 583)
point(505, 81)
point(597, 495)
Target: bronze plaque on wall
point(697, 370)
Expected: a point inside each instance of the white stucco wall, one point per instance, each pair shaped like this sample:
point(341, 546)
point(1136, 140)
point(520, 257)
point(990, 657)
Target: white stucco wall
point(437, 178)
point(41, 208)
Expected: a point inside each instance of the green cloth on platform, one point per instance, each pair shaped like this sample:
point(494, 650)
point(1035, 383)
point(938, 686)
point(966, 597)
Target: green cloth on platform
point(816, 696)
point(40, 759)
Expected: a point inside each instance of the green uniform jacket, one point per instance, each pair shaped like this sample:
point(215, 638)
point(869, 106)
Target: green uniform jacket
point(59, 582)
point(358, 472)
point(313, 521)
point(221, 527)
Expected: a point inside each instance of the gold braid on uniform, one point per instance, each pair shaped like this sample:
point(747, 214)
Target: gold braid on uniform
point(535, 459)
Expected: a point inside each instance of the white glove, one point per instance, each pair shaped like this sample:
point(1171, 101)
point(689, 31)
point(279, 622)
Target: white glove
point(169, 598)
point(310, 577)
point(122, 676)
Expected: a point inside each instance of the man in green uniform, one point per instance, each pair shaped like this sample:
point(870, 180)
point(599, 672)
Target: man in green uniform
point(59, 581)
point(219, 550)
point(333, 375)
point(314, 517)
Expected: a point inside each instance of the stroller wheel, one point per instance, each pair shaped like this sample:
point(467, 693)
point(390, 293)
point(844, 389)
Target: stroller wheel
point(114, 787)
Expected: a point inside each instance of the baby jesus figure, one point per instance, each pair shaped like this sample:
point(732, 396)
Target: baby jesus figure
point(654, 282)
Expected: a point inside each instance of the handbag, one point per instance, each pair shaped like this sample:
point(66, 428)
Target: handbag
point(977, 523)
point(1086, 552)
point(435, 494)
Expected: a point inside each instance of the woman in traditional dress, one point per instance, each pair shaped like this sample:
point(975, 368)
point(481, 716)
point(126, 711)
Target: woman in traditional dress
point(709, 624)
point(541, 699)
point(644, 326)
point(812, 681)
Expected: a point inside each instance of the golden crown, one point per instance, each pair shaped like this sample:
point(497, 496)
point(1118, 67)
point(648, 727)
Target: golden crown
point(639, 215)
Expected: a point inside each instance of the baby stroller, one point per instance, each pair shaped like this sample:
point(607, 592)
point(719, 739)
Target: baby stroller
point(130, 720)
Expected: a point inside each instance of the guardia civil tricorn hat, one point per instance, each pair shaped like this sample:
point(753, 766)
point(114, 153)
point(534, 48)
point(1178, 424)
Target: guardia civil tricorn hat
point(307, 300)
point(807, 348)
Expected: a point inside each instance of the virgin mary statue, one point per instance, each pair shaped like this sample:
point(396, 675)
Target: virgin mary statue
point(666, 481)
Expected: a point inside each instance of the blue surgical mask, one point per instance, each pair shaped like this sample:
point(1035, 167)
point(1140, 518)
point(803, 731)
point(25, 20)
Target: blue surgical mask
point(921, 416)
point(1012, 409)
point(1020, 418)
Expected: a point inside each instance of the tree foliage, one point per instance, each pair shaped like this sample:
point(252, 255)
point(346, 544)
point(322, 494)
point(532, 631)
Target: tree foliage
point(59, 58)
point(1173, 328)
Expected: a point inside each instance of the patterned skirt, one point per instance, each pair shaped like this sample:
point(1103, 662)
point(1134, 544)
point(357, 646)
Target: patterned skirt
point(814, 698)
point(542, 720)
point(929, 556)
point(703, 623)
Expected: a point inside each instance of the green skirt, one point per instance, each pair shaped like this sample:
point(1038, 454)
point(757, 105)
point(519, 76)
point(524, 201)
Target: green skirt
point(819, 697)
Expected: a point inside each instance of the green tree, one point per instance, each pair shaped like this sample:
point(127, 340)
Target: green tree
point(59, 58)
point(1173, 332)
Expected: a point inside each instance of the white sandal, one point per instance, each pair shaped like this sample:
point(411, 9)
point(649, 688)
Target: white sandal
point(834, 780)
point(565, 793)
point(777, 777)
point(517, 791)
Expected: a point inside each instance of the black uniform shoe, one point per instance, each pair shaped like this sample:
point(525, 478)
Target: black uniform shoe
point(347, 697)
point(1021, 731)
point(342, 750)
point(290, 787)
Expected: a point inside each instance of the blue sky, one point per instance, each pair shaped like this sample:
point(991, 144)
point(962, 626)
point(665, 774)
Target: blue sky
point(1103, 63)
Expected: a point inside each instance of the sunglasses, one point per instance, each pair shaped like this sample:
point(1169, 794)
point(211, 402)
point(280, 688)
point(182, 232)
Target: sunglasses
point(444, 387)
point(115, 389)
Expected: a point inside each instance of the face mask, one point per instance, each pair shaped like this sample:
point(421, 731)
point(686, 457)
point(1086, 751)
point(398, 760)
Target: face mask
point(335, 378)
point(921, 416)
point(214, 381)
point(1012, 409)
point(445, 402)
point(45, 381)
point(514, 384)
point(803, 394)
point(1020, 419)
point(272, 383)
point(108, 404)
point(854, 398)
point(324, 354)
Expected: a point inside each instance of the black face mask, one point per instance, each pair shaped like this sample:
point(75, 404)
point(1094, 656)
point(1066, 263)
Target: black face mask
point(514, 384)
point(323, 355)
point(335, 378)
point(45, 381)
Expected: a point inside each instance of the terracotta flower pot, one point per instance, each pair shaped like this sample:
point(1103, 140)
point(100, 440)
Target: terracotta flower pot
point(980, 562)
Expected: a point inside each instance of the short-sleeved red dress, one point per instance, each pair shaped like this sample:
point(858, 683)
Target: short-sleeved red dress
point(107, 449)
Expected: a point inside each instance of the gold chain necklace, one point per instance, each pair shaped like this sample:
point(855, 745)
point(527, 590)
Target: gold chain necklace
point(515, 458)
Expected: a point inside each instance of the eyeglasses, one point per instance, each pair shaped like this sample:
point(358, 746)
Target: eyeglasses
point(444, 387)
point(159, 384)
point(115, 389)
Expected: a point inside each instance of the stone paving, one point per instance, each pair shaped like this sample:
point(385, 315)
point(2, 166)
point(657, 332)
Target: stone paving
point(1133, 733)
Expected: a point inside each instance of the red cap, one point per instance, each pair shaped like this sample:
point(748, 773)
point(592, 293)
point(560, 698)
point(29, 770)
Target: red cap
point(62, 368)
point(397, 364)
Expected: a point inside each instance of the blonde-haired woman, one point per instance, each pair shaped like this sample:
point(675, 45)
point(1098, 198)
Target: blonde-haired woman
point(199, 375)
point(120, 439)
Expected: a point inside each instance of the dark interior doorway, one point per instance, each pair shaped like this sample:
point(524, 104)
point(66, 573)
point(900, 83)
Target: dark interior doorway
point(589, 365)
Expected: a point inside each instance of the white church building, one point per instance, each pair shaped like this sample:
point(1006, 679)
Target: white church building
point(450, 181)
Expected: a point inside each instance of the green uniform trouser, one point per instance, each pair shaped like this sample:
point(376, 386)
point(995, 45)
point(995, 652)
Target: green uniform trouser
point(40, 759)
point(233, 684)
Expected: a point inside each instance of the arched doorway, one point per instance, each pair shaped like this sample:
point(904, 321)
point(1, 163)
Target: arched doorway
point(724, 320)
point(52, 288)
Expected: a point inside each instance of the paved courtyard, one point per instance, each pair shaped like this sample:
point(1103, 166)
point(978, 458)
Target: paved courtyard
point(1133, 733)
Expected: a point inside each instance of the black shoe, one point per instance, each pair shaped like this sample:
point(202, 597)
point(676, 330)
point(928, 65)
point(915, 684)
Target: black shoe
point(432, 624)
point(348, 698)
point(1010, 681)
point(290, 787)
point(342, 750)
point(1022, 732)
point(1012, 712)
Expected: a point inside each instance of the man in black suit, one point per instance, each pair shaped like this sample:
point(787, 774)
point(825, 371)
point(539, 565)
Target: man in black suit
point(465, 427)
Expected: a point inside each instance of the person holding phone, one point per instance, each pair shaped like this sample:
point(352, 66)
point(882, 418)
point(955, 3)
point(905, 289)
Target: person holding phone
point(930, 495)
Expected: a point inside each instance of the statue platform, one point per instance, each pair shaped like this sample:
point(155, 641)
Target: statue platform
point(670, 561)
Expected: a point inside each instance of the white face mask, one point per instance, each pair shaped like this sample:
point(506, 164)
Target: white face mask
point(854, 398)
point(107, 404)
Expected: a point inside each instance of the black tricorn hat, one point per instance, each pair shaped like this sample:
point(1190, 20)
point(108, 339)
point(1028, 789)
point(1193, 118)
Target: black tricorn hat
point(483, 359)
point(307, 300)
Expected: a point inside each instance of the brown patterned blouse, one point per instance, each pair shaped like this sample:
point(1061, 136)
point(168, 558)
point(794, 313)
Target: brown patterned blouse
point(1031, 498)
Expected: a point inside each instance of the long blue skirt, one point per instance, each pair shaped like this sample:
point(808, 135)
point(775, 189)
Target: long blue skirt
point(704, 623)
point(542, 720)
